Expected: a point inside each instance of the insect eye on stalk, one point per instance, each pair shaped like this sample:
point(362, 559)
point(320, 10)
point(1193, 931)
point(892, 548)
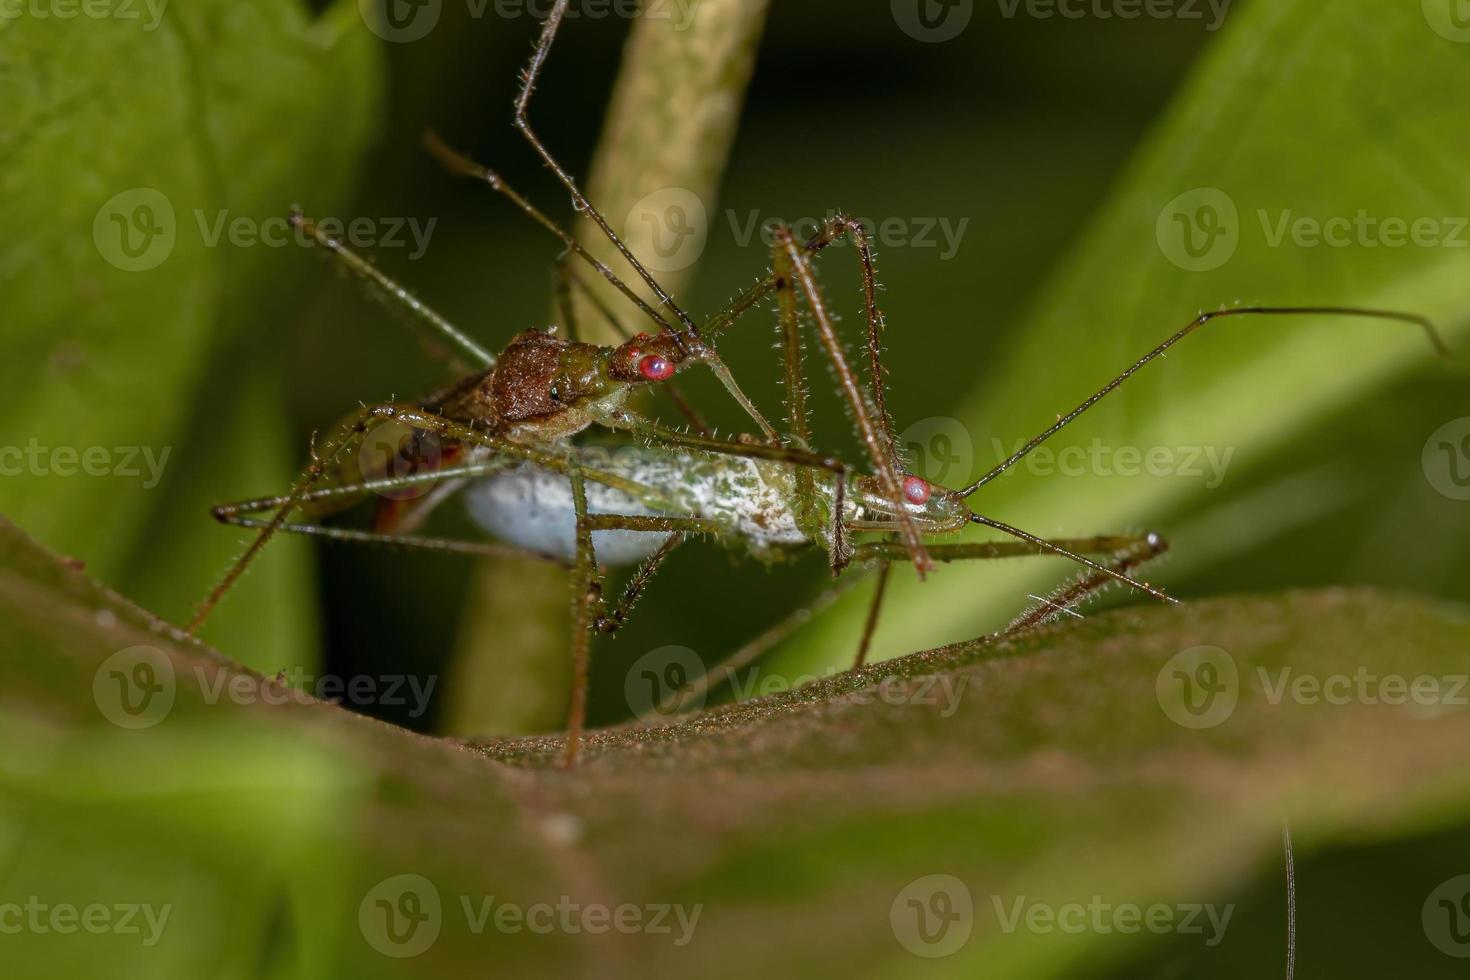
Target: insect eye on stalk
point(915, 490)
point(656, 368)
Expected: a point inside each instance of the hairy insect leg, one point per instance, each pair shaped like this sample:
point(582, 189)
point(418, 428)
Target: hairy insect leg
point(687, 337)
point(1065, 420)
point(583, 578)
point(874, 441)
point(876, 372)
point(529, 79)
point(1055, 549)
point(696, 349)
point(698, 688)
point(1131, 550)
point(323, 462)
point(870, 624)
point(381, 285)
point(587, 591)
point(568, 282)
point(646, 429)
point(798, 428)
point(1088, 584)
point(461, 165)
point(238, 514)
point(721, 320)
point(612, 620)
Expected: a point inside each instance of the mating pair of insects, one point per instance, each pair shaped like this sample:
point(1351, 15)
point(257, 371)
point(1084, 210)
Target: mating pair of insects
point(503, 436)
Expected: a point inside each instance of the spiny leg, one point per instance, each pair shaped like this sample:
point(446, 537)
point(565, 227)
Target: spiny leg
point(868, 430)
point(610, 621)
point(1134, 548)
point(718, 322)
point(678, 701)
point(321, 463)
point(237, 514)
point(876, 371)
point(646, 429)
point(1434, 338)
point(390, 291)
point(1088, 584)
point(583, 575)
point(870, 624)
point(695, 348)
point(1055, 549)
point(523, 100)
point(798, 427)
point(457, 163)
point(587, 592)
point(687, 338)
point(566, 282)
point(888, 553)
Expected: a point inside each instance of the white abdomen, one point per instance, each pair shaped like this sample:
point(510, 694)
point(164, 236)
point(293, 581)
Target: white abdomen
point(532, 508)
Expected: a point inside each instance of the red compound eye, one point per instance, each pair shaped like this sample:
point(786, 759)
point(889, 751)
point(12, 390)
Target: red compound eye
point(656, 368)
point(916, 490)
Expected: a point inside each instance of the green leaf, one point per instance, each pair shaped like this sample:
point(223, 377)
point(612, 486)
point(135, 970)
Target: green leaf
point(1051, 770)
point(134, 135)
point(1300, 110)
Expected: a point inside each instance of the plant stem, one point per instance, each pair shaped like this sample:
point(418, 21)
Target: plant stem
point(667, 135)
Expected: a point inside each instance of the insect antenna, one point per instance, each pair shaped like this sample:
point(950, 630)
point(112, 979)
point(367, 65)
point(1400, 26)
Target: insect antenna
point(1423, 322)
point(522, 123)
point(457, 163)
point(1054, 549)
point(382, 285)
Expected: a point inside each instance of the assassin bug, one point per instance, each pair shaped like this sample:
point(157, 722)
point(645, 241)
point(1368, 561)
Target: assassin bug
point(508, 424)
